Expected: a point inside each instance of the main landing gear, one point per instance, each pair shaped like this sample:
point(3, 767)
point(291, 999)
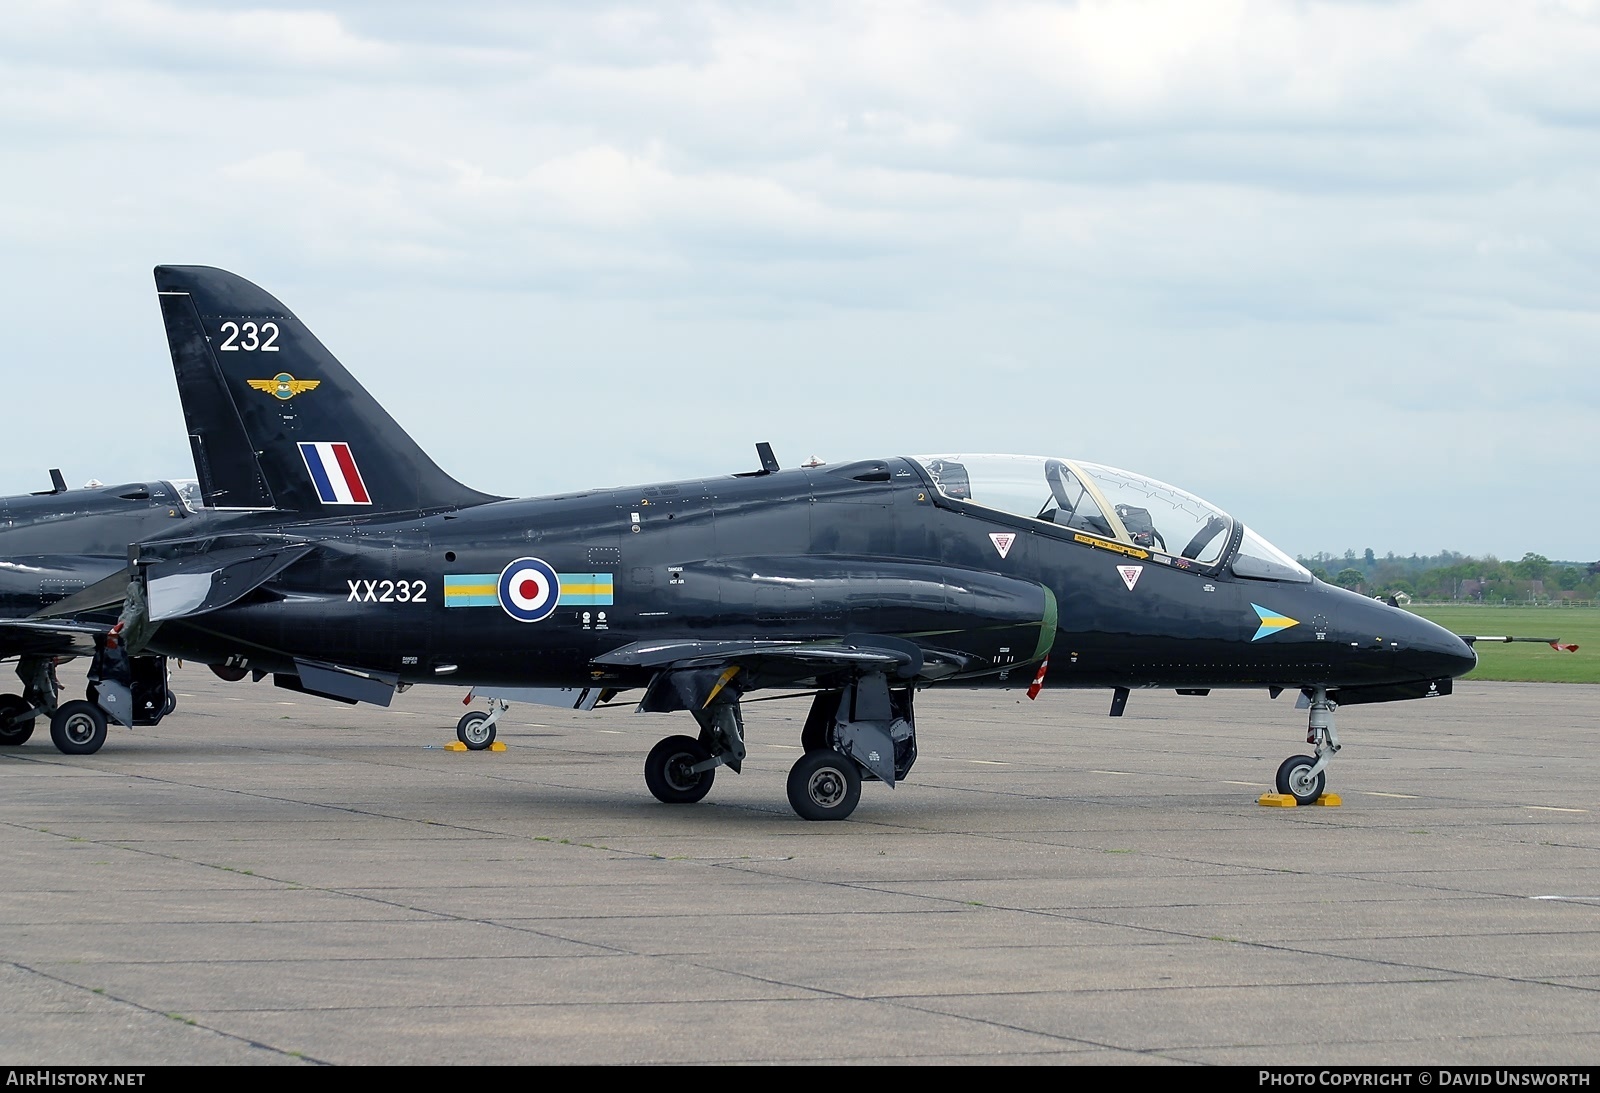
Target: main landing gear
point(863, 731)
point(1304, 777)
point(76, 728)
point(133, 691)
point(40, 690)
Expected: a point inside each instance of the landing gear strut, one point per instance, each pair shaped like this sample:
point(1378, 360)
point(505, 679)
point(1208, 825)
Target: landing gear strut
point(1304, 777)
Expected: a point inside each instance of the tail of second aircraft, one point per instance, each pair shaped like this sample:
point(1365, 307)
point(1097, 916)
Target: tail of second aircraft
point(274, 419)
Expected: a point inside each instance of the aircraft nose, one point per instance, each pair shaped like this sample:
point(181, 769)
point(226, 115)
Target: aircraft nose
point(1435, 652)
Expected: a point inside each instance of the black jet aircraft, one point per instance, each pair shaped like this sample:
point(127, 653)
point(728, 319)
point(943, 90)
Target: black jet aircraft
point(54, 545)
point(368, 569)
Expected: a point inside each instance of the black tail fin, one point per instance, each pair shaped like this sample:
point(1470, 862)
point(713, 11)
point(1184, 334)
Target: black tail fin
point(274, 419)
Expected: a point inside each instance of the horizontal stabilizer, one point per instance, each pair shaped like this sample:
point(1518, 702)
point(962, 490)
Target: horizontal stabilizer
point(208, 582)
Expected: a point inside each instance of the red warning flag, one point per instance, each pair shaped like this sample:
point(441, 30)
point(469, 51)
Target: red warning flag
point(1560, 648)
point(1038, 680)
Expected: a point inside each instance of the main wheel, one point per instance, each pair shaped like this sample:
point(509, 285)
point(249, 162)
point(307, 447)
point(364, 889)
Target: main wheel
point(229, 673)
point(474, 731)
point(78, 728)
point(1294, 778)
point(667, 773)
point(824, 785)
point(13, 732)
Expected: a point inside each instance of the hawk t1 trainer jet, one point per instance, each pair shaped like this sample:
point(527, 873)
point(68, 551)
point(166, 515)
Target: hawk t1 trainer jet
point(54, 545)
point(368, 569)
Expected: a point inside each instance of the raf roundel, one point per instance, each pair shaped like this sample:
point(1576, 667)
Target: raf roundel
point(529, 590)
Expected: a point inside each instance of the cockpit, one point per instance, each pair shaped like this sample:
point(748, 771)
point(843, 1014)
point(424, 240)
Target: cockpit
point(188, 490)
point(1110, 504)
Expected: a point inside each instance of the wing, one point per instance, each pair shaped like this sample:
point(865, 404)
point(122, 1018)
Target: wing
point(69, 625)
point(49, 638)
point(689, 674)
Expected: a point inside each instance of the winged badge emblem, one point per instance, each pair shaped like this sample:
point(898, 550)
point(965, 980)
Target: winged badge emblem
point(285, 386)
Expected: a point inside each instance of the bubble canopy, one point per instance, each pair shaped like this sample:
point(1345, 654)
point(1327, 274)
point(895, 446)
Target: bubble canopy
point(1109, 503)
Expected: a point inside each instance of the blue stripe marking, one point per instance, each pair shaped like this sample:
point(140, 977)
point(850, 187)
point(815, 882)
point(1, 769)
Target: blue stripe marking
point(319, 476)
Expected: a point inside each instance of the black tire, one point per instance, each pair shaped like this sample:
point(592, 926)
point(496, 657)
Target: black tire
point(229, 673)
point(1293, 781)
point(78, 728)
point(471, 731)
point(13, 732)
point(824, 785)
point(666, 771)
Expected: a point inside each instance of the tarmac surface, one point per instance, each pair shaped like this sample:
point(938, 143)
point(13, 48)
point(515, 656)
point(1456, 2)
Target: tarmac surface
point(271, 879)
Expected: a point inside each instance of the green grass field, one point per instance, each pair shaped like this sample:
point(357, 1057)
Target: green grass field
point(1524, 661)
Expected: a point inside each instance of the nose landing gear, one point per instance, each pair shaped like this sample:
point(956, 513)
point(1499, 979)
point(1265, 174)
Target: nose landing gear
point(1304, 777)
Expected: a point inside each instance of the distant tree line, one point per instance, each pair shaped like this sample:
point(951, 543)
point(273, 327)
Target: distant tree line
point(1452, 576)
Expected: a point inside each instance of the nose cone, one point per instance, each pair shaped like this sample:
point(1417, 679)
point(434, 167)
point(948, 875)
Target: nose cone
point(1435, 652)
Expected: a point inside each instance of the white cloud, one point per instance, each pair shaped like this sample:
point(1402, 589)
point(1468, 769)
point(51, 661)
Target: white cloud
point(1149, 232)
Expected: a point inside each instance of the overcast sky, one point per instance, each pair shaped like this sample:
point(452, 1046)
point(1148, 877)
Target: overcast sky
point(1334, 267)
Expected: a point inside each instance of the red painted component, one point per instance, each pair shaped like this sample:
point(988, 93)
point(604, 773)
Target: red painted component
point(1038, 680)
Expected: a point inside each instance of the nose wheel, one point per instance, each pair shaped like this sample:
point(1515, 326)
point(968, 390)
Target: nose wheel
point(1299, 777)
point(477, 729)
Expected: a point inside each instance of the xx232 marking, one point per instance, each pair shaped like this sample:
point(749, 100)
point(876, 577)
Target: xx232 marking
point(387, 592)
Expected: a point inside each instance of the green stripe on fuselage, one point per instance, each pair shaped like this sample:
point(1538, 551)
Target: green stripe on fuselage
point(1047, 625)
